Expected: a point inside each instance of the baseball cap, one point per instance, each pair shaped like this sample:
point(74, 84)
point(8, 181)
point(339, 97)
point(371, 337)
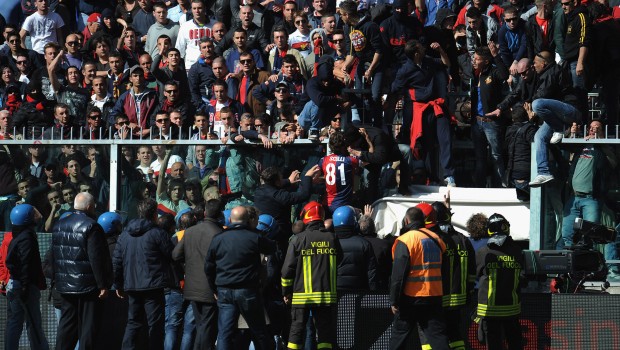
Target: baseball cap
point(94, 17)
point(136, 68)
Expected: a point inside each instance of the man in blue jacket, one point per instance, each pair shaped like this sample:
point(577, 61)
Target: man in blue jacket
point(233, 266)
point(141, 268)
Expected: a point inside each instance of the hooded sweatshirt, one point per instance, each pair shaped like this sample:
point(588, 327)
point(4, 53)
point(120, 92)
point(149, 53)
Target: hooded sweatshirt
point(142, 257)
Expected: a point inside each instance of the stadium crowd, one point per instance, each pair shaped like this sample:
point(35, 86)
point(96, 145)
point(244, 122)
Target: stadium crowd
point(369, 85)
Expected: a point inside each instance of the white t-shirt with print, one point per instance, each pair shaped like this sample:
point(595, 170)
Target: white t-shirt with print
point(42, 29)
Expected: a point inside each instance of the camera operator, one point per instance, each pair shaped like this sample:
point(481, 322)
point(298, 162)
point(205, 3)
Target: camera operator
point(587, 181)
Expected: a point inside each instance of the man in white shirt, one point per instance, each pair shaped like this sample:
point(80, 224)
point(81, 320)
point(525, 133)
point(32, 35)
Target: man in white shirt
point(43, 27)
point(190, 33)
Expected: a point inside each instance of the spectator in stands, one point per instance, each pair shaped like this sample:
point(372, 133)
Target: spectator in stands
point(163, 130)
point(486, 88)
point(138, 94)
point(192, 250)
point(577, 41)
point(63, 126)
point(190, 33)
point(240, 45)
point(24, 67)
point(398, 29)
point(89, 72)
point(481, 30)
point(142, 260)
point(250, 78)
point(143, 19)
point(82, 274)
point(93, 25)
point(160, 153)
point(540, 29)
point(290, 74)
point(101, 46)
point(170, 193)
point(280, 48)
point(73, 95)
point(95, 128)
point(172, 71)
point(221, 104)
point(374, 147)
point(128, 47)
point(288, 16)
point(512, 41)
point(367, 46)
point(233, 275)
point(300, 39)
point(146, 62)
point(73, 55)
point(220, 71)
point(588, 182)
point(219, 32)
point(519, 138)
point(175, 99)
point(425, 122)
point(162, 25)
point(14, 48)
point(43, 27)
point(23, 261)
point(256, 37)
point(118, 76)
point(200, 75)
point(491, 10)
point(102, 99)
point(605, 59)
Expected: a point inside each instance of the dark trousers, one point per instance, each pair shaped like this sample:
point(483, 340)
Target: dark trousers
point(496, 329)
point(205, 315)
point(150, 306)
point(248, 303)
point(324, 321)
point(437, 132)
point(429, 317)
point(80, 319)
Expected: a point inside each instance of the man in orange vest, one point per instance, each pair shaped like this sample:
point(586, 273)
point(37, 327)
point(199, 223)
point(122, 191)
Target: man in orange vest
point(416, 287)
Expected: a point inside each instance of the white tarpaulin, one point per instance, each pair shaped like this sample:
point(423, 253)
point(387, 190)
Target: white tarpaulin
point(389, 211)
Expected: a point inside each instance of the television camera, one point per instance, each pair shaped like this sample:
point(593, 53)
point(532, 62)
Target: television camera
point(576, 263)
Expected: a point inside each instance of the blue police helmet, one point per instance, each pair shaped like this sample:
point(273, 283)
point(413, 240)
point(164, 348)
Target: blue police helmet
point(267, 225)
point(24, 214)
point(111, 222)
point(345, 216)
point(177, 218)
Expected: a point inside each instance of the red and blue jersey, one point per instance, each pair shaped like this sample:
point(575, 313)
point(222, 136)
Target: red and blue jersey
point(338, 171)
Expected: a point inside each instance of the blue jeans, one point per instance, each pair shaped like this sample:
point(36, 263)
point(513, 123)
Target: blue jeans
point(178, 311)
point(612, 251)
point(557, 116)
point(247, 302)
point(481, 134)
point(587, 208)
point(20, 311)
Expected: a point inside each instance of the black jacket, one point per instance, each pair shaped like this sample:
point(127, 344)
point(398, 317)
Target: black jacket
point(201, 79)
point(277, 202)
point(386, 148)
point(193, 249)
point(535, 42)
point(142, 257)
point(234, 258)
point(28, 116)
point(80, 255)
point(396, 30)
point(519, 138)
point(23, 259)
point(491, 86)
point(578, 27)
point(554, 82)
point(383, 253)
point(357, 271)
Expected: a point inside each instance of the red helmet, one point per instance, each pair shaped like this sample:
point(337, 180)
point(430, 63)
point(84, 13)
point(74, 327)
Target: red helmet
point(312, 211)
point(430, 215)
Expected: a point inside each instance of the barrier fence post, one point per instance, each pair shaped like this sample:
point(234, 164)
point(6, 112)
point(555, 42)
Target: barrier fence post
point(115, 176)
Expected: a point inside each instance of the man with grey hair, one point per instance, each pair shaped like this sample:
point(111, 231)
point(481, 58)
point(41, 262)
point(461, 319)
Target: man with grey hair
point(82, 274)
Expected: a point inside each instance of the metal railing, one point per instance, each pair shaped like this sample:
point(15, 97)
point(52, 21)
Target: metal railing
point(115, 146)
